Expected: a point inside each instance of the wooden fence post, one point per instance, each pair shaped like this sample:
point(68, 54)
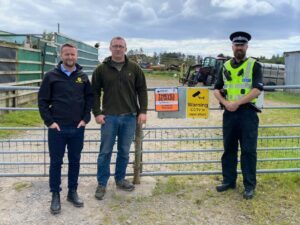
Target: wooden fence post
point(137, 154)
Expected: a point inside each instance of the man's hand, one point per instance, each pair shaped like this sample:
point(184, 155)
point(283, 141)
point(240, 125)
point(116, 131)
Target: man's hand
point(142, 118)
point(81, 124)
point(54, 126)
point(232, 106)
point(100, 119)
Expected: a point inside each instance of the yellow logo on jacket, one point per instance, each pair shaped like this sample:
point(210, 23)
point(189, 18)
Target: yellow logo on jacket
point(79, 80)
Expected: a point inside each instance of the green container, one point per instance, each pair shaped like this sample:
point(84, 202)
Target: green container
point(27, 57)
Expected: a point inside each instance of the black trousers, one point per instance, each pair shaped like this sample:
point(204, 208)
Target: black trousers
point(241, 127)
point(72, 138)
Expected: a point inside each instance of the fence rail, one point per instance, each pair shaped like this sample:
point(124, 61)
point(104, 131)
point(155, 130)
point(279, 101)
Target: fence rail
point(11, 95)
point(164, 151)
point(157, 151)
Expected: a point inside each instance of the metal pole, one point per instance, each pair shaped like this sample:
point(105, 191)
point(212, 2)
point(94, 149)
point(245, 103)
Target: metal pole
point(137, 154)
point(43, 60)
point(45, 163)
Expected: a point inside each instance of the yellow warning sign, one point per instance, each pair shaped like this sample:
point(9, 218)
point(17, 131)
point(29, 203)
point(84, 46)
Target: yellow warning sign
point(197, 103)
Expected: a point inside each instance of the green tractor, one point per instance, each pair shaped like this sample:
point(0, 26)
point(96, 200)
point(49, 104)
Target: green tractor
point(204, 73)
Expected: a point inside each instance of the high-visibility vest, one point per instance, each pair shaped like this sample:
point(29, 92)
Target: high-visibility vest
point(238, 81)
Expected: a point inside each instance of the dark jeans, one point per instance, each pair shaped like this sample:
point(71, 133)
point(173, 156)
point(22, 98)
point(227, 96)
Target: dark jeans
point(241, 127)
point(122, 127)
point(71, 137)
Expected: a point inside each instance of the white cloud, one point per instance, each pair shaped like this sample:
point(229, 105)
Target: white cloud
point(261, 8)
point(240, 8)
point(164, 7)
point(295, 4)
point(4, 3)
point(38, 8)
point(136, 12)
point(206, 47)
point(62, 2)
point(203, 22)
point(190, 8)
point(229, 4)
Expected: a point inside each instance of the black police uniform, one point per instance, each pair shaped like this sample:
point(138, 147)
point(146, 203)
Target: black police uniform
point(240, 126)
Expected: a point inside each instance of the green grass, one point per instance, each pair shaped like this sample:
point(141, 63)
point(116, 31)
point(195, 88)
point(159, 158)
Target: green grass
point(19, 119)
point(276, 200)
point(189, 199)
point(284, 116)
point(280, 116)
point(277, 197)
point(269, 143)
point(171, 185)
point(162, 74)
point(19, 186)
point(282, 96)
point(273, 116)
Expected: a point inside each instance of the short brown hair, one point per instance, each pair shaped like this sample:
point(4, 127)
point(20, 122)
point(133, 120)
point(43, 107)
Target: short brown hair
point(68, 44)
point(117, 38)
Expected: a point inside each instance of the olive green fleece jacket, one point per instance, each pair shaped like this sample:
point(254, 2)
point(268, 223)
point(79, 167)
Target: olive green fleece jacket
point(124, 91)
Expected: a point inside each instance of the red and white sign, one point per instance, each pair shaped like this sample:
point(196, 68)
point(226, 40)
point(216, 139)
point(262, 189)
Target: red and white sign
point(166, 99)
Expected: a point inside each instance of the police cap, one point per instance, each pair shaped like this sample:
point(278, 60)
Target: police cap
point(240, 37)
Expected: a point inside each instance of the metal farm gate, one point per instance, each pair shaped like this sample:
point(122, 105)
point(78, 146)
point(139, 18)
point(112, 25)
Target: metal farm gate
point(157, 151)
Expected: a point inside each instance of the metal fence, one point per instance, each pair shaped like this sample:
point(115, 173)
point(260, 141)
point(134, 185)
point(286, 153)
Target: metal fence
point(198, 150)
point(157, 150)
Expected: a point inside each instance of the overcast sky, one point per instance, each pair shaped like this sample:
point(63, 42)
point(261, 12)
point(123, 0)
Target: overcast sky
point(190, 26)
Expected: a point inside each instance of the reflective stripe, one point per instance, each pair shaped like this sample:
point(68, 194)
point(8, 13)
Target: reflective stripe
point(244, 85)
point(235, 97)
point(239, 84)
point(248, 68)
point(238, 97)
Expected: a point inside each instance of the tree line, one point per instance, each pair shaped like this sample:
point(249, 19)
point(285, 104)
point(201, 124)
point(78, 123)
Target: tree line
point(178, 58)
point(163, 58)
point(276, 59)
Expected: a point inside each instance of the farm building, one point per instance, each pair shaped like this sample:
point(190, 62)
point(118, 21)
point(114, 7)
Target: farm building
point(292, 68)
point(24, 58)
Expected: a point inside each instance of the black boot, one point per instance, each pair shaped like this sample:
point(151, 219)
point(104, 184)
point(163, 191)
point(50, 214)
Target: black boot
point(225, 186)
point(55, 203)
point(73, 198)
point(248, 193)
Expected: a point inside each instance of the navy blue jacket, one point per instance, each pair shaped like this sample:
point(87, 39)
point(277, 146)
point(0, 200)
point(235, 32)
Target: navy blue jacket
point(64, 99)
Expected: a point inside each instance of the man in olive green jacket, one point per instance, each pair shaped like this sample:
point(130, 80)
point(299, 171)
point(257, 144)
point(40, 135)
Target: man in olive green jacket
point(124, 103)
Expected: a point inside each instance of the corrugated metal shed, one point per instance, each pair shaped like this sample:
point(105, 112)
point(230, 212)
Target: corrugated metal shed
point(21, 58)
point(292, 69)
point(25, 57)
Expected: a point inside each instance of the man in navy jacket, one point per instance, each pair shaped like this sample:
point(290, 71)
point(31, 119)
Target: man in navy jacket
point(65, 99)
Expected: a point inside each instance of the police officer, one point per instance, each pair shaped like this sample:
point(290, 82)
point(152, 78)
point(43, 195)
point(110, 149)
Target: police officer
point(237, 89)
